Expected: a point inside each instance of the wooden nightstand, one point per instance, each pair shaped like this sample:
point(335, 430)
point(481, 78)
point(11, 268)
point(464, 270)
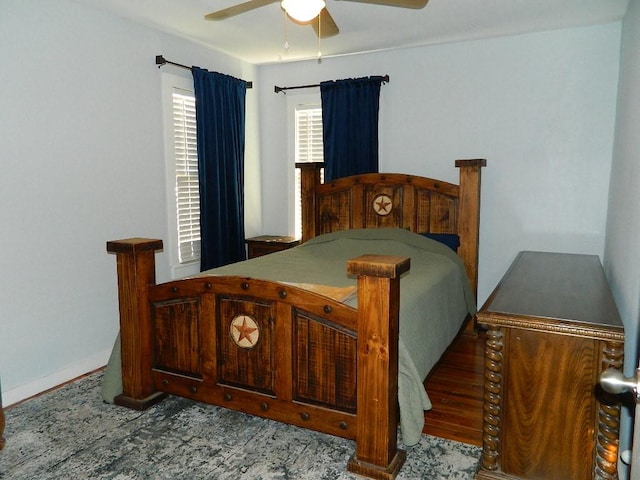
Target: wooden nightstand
point(265, 244)
point(553, 327)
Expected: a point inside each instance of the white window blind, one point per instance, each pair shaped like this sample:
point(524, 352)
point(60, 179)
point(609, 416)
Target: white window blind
point(187, 192)
point(308, 148)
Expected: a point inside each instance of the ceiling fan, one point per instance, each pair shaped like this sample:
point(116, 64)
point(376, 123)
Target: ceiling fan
point(325, 27)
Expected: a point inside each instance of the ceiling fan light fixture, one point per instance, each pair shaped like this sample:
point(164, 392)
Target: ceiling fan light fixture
point(303, 10)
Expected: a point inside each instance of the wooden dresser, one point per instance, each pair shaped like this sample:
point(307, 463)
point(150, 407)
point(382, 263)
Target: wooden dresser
point(265, 244)
point(553, 327)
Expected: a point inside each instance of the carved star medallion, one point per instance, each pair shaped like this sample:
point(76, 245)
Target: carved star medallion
point(244, 331)
point(382, 205)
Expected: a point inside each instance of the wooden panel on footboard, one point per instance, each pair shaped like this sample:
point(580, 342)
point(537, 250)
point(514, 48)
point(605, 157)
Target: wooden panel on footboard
point(324, 367)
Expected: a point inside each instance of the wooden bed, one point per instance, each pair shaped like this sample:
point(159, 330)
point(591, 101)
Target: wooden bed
point(175, 336)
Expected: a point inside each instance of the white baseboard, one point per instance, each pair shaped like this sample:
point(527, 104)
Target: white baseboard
point(43, 384)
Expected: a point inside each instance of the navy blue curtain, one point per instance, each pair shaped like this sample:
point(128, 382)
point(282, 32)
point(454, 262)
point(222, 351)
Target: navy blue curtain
point(350, 126)
point(220, 119)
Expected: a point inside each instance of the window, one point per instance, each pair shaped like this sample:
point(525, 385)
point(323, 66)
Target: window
point(186, 176)
point(181, 166)
point(308, 148)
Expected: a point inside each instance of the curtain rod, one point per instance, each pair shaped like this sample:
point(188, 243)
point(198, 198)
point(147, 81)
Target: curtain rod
point(277, 89)
point(160, 61)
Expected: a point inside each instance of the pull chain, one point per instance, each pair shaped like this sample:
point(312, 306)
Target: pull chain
point(319, 35)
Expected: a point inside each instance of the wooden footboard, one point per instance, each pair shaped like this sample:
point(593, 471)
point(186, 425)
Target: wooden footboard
point(269, 349)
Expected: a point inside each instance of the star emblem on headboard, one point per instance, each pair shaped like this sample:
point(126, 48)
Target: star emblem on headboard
point(382, 205)
point(244, 331)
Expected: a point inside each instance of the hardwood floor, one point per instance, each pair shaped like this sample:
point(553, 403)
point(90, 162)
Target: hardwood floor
point(455, 388)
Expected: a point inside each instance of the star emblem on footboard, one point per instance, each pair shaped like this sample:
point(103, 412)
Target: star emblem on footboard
point(244, 331)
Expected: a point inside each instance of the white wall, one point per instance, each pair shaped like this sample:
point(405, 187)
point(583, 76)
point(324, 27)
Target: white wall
point(539, 107)
point(82, 163)
point(622, 252)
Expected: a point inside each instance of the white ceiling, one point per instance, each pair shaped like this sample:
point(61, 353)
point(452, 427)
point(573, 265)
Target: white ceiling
point(259, 36)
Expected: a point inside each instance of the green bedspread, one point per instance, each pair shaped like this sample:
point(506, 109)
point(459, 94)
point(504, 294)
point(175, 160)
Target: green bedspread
point(435, 298)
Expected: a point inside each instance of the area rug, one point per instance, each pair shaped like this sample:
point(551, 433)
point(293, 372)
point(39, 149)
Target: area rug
point(70, 433)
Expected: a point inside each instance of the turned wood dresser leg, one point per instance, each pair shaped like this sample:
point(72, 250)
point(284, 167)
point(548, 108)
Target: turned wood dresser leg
point(492, 401)
point(607, 443)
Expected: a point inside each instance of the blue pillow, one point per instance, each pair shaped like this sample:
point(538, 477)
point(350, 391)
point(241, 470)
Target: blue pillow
point(451, 240)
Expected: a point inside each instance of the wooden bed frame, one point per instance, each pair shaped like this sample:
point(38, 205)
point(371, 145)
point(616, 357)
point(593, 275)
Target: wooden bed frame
point(177, 337)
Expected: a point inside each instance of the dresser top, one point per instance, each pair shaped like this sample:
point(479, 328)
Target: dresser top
point(558, 286)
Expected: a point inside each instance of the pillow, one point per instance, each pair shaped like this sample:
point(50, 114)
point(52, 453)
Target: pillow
point(451, 240)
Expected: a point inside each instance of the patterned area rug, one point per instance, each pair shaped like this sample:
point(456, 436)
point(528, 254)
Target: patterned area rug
point(70, 433)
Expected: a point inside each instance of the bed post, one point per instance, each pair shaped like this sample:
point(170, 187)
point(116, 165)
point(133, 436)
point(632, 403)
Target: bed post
point(309, 180)
point(469, 216)
point(136, 273)
point(377, 454)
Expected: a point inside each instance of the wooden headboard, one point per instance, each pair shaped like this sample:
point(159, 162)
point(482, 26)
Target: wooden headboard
point(385, 200)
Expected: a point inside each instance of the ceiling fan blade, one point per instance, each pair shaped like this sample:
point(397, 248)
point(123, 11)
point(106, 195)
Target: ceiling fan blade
point(238, 9)
point(327, 27)
point(395, 3)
